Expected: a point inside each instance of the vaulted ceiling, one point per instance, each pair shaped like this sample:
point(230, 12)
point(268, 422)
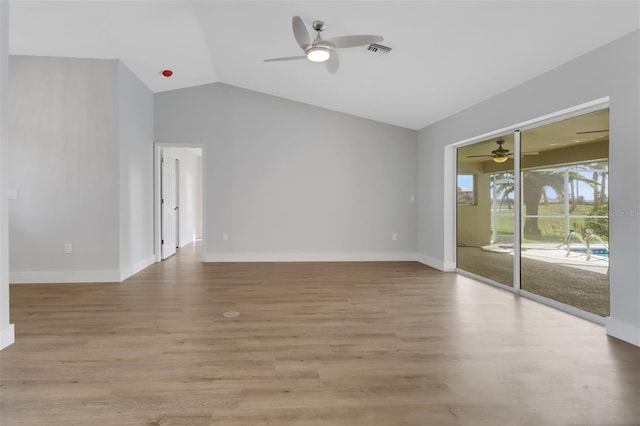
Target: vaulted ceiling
point(446, 55)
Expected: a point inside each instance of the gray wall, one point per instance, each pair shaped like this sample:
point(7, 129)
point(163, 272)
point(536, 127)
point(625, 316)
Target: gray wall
point(288, 181)
point(63, 121)
point(81, 150)
point(6, 329)
point(135, 145)
point(613, 71)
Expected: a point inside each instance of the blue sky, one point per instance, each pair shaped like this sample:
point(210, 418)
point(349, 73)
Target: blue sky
point(465, 181)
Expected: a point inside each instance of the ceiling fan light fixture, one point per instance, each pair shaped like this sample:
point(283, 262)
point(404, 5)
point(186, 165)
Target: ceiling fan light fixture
point(318, 54)
point(500, 159)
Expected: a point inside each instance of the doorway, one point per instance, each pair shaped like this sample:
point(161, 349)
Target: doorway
point(532, 212)
point(179, 189)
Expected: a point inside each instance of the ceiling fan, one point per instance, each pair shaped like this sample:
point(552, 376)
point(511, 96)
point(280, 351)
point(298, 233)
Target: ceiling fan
point(500, 154)
point(321, 50)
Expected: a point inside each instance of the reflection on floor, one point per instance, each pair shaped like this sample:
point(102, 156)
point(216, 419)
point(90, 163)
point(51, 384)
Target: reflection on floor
point(546, 272)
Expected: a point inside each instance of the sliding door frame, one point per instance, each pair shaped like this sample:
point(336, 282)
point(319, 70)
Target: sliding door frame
point(451, 210)
point(517, 213)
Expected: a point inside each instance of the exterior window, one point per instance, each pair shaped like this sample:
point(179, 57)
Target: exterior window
point(467, 189)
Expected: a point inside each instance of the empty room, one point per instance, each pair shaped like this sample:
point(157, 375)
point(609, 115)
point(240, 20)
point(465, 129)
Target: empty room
point(319, 212)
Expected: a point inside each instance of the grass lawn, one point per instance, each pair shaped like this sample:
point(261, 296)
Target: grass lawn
point(553, 229)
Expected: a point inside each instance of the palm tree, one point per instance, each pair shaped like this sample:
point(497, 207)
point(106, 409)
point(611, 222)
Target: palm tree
point(596, 192)
point(574, 179)
point(603, 188)
point(598, 182)
point(503, 187)
point(534, 186)
point(572, 187)
point(536, 182)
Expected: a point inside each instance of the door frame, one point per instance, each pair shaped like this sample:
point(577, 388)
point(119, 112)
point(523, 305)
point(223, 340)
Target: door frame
point(157, 211)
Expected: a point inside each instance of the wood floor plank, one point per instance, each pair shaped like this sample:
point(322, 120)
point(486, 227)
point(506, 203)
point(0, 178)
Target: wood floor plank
point(323, 344)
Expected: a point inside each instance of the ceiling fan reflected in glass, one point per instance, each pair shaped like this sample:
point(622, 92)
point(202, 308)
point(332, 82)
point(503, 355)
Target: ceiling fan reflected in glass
point(500, 154)
point(321, 50)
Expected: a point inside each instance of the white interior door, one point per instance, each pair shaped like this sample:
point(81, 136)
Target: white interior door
point(177, 198)
point(169, 207)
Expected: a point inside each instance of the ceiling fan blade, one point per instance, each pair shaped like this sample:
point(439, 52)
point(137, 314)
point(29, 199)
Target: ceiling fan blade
point(522, 154)
point(354, 40)
point(333, 62)
point(286, 58)
point(592, 131)
point(478, 156)
point(300, 32)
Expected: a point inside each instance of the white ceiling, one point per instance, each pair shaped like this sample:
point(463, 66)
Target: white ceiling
point(447, 55)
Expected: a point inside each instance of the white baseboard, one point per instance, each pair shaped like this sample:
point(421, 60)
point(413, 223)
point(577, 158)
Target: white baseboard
point(183, 243)
point(624, 331)
point(42, 277)
point(7, 336)
point(309, 257)
point(564, 307)
point(449, 266)
point(436, 263)
point(137, 267)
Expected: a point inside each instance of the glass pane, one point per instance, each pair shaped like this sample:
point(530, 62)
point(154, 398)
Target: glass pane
point(485, 213)
point(565, 226)
point(467, 190)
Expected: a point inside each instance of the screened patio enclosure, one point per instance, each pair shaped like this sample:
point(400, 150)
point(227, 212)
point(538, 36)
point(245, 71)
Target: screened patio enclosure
point(539, 223)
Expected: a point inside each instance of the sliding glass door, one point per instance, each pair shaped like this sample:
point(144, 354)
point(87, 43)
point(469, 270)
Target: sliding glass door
point(565, 232)
point(486, 210)
point(562, 255)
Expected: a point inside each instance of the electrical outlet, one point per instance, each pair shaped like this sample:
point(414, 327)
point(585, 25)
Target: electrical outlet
point(68, 248)
point(394, 236)
point(412, 198)
point(225, 236)
point(12, 194)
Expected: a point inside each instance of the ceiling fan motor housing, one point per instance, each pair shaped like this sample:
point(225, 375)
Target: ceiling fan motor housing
point(318, 26)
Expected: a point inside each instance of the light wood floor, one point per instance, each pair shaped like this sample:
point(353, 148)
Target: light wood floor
point(326, 344)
